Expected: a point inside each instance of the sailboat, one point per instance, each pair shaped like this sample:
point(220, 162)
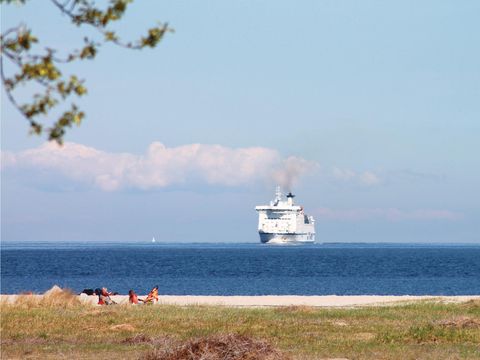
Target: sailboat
point(153, 239)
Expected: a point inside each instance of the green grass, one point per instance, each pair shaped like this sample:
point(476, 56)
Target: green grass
point(415, 331)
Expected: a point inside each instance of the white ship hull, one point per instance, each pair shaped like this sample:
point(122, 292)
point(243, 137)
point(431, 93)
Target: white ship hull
point(269, 238)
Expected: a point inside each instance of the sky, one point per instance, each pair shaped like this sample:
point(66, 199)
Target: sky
point(368, 111)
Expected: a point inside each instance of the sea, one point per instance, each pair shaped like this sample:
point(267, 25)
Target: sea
point(243, 269)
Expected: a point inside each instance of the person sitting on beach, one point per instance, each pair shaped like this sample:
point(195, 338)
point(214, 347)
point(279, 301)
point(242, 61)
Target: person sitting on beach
point(104, 297)
point(152, 296)
point(97, 292)
point(133, 298)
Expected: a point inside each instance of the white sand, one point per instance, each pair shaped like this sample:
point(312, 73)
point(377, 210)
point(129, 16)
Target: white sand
point(290, 300)
point(280, 300)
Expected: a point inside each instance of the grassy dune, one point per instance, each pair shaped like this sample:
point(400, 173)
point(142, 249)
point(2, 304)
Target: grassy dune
point(423, 330)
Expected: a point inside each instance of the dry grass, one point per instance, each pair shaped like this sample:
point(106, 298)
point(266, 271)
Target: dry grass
point(217, 347)
point(471, 304)
point(61, 299)
point(460, 322)
point(59, 326)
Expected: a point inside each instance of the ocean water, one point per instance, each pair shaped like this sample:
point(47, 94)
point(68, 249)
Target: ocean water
point(244, 269)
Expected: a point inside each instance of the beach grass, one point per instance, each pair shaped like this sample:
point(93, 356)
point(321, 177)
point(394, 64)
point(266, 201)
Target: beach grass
point(420, 330)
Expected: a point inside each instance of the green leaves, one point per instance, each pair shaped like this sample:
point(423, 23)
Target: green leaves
point(110, 36)
point(41, 105)
point(45, 69)
point(41, 69)
point(88, 52)
point(67, 119)
point(154, 36)
point(23, 40)
point(73, 85)
point(87, 13)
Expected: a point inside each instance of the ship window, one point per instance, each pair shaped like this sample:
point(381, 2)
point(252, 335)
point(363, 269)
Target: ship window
point(305, 217)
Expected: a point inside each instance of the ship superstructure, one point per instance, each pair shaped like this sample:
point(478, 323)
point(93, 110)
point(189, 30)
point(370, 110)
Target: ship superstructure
point(284, 222)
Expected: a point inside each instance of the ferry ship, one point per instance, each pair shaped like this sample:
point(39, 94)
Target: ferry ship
point(283, 222)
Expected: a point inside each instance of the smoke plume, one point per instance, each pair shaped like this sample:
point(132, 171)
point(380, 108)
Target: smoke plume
point(290, 171)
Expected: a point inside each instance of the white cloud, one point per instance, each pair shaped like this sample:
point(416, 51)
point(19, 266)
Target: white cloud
point(367, 178)
point(161, 166)
point(390, 214)
point(343, 174)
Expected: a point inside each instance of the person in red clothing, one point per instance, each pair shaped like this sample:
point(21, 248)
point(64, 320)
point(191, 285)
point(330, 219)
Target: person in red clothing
point(98, 292)
point(104, 297)
point(133, 298)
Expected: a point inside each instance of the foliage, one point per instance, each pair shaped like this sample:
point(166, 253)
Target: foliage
point(42, 69)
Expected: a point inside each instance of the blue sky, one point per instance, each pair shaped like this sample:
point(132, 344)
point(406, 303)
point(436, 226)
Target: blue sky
point(374, 104)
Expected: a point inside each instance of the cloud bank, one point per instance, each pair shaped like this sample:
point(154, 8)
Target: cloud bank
point(366, 178)
point(161, 166)
point(389, 214)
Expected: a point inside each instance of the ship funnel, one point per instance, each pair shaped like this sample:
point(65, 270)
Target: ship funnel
point(290, 197)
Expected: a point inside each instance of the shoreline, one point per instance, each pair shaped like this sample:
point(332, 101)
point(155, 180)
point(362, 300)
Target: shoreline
point(278, 300)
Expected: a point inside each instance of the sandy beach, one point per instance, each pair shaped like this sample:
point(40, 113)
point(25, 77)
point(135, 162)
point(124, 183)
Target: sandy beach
point(316, 301)
point(279, 300)
point(289, 300)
